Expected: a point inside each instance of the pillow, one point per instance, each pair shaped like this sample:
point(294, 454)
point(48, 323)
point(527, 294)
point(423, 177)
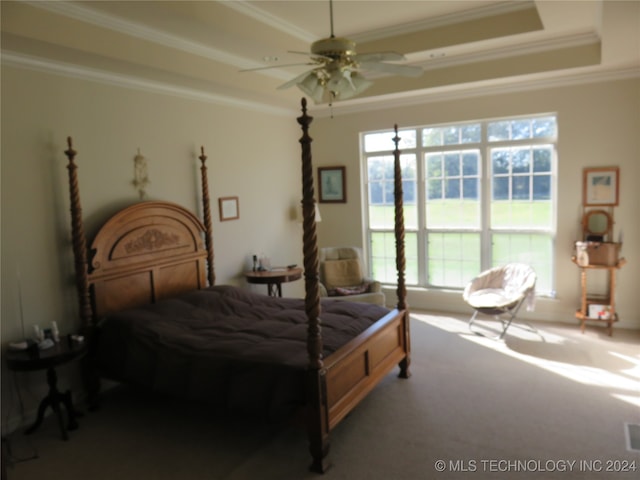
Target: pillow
point(341, 273)
point(356, 290)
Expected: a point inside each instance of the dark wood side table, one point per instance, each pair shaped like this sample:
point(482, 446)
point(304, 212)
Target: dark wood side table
point(62, 352)
point(274, 278)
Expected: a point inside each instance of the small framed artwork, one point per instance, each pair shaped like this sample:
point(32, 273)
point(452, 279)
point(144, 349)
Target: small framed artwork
point(333, 184)
point(601, 186)
point(229, 208)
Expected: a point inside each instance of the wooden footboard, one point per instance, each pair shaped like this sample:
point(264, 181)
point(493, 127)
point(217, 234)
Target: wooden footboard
point(354, 370)
point(349, 374)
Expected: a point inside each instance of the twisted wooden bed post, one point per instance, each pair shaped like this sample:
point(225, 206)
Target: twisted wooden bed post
point(317, 426)
point(89, 376)
point(400, 253)
point(211, 275)
point(79, 243)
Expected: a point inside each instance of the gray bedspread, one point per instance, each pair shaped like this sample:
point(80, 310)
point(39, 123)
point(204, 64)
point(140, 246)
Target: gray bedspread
point(240, 351)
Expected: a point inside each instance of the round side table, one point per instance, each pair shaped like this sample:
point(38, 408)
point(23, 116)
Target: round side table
point(62, 352)
point(274, 278)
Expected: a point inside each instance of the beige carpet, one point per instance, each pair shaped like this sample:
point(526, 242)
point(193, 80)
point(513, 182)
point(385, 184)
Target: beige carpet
point(546, 405)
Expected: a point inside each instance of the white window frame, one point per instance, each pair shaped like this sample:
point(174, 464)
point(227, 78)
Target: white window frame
point(484, 147)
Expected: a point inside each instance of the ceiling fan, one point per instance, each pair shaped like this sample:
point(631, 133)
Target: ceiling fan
point(336, 72)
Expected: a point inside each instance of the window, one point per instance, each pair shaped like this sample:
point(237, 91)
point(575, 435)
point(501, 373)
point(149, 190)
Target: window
point(476, 195)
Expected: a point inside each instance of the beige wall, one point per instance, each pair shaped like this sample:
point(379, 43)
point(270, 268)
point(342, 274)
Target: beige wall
point(599, 125)
point(252, 155)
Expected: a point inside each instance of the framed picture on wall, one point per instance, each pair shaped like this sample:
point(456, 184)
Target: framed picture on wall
point(601, 186)
point(333, 184)
point(229, 208)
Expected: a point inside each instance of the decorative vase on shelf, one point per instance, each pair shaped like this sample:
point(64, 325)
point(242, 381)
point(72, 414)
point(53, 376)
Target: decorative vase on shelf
point(582, 257)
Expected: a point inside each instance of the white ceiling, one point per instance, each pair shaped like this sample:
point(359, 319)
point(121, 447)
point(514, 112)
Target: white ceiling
point(198, 48)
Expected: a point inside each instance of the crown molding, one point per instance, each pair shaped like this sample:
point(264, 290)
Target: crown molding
point(13, 59)
point(278, 23)
point(577, 76)
point(517, 84)
point(250, 10)
point(138, 30)
point(443, 20)
point(485, 51)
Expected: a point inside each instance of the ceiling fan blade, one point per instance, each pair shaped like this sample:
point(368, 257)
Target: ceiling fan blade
point(402, 70)
point(296, 80)
point(275, 66)
point(379, 57)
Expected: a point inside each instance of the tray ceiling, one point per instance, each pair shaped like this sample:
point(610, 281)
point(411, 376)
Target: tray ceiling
point(198, 48)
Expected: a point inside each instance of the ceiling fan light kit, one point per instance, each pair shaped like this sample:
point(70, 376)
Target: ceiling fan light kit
point(324, 86)
point(337, 69)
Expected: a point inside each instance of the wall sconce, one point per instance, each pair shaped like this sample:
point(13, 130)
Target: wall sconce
point(299, 213)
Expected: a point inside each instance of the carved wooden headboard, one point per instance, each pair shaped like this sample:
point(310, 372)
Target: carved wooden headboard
point(144, 253)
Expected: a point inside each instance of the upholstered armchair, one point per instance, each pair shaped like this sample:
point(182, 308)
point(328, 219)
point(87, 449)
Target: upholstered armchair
point(343, 277)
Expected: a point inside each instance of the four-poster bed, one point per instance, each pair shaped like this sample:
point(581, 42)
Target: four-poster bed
point(155, 318)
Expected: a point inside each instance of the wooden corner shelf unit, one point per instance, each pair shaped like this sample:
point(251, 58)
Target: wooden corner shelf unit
point(607, 298)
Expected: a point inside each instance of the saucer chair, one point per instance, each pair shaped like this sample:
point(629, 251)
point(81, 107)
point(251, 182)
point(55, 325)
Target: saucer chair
point(500, 292)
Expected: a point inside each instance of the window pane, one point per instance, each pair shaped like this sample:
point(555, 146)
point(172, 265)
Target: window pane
point(432, 137)
point(453, 258)
point(542, 159)
point(542, 187)
point(383, 257)
point(532, 249)
point(408, 166)
point(380, 216)
point(471, 133)
point(521, 215)
point(470, 163)
point(375, 193)
point(520, 188)
point(470, 189)
point(375, 167)
point(454, 201)
point(544, 127)
point(501, 188)
point(498, 131)
point(434, 165)
point(434, 189)
point(381, 191)
point(452, 164)
point(521, 160)
point(499, 161)
point(383, 141)
point(451, 135)
point(453, 214)
point(408, 192)
point(520, 129)
point(452, 188)
point(388, 192)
